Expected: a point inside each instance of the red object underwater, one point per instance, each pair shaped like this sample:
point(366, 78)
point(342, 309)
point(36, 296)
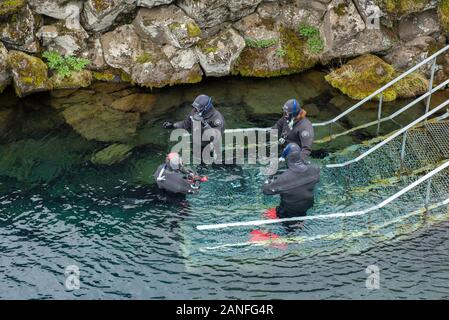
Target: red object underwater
point(261, 236)
point(271, 214)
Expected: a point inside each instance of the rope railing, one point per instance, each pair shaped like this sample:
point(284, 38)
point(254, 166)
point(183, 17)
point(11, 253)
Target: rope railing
point(427, 177)
point(391, 137)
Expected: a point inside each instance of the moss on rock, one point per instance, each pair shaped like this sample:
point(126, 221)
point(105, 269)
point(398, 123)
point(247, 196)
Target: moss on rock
point(193, 30)
point(104, 76)
point(8, 7)
point(403, 7)
point(443, 14)
point(30, 74)
point(362, 76)
point(80, 79)
point(289, 56)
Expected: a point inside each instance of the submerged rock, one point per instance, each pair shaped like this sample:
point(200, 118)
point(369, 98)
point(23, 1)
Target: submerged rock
point(113, 154)
point(7, 119)
point(362, 76)
point(30, 74)
point(94, 121)
point(217, 54)
point(18, 31)
point(138, 102)
point(41, 161)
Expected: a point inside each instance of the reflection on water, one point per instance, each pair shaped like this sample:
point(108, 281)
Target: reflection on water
point(132, 241)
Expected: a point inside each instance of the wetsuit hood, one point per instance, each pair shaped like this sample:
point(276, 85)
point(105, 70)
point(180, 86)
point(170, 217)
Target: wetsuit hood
point(295, 163)
point(202, 105)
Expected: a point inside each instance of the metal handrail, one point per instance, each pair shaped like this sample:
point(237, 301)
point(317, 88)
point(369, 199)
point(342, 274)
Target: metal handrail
point(379, 91)
point(427, 177)
point(390, 138)
point(394, 115)
point(388, 85)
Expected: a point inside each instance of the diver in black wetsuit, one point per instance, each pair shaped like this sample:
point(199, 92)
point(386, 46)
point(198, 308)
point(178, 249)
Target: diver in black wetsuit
point(203, 113)
point(296, 186)
point(294, 127)
point(174, 178)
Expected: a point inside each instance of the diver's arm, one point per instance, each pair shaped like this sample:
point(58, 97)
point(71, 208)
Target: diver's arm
point(272, 187)
point(306, 137)
point(185, 124)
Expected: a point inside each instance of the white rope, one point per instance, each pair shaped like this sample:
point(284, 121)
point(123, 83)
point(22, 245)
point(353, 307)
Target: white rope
point(390, 138)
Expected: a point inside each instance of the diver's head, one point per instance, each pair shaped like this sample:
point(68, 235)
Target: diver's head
point(292, 155)
point(174, 161)
point(202, 104)
point(292, 109)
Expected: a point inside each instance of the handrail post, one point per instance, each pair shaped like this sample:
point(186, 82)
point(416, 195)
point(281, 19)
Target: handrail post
point(330, 132)
point(379, 113)
point(404, 142)
point(432, 78)
point(428, 190)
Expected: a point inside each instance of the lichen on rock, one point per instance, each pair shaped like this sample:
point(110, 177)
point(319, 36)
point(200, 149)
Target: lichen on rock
point(362, 76)
point(5, 74)
point(8, 7)
point(30, 74)
point(18, 31)
point(217, 54)
point(443, 14)
point(99, 15)
point(167, 25)
point(81, 79)
point(288, 55)
point(399, 8)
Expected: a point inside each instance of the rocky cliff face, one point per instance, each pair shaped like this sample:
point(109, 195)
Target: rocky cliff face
point(155, 43)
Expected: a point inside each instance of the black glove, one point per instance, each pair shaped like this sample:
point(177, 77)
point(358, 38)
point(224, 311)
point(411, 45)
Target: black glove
point(168, 125)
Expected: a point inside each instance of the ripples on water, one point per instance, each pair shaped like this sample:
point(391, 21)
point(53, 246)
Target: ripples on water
point(131, 241)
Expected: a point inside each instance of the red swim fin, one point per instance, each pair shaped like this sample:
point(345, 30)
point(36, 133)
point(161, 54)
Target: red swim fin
point(261, 236)
point(271, 214)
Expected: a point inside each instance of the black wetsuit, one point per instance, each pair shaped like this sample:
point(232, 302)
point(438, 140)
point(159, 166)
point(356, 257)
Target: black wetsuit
point(212, 119)
point(296, 187)
point(174, 181)
point(302, 133)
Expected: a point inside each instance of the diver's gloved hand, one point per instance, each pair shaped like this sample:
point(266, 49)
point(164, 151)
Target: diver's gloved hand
point(282, 141)
point(168, 125)
point(205, 125)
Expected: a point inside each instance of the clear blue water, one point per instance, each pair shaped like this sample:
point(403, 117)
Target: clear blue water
point(130, 241)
